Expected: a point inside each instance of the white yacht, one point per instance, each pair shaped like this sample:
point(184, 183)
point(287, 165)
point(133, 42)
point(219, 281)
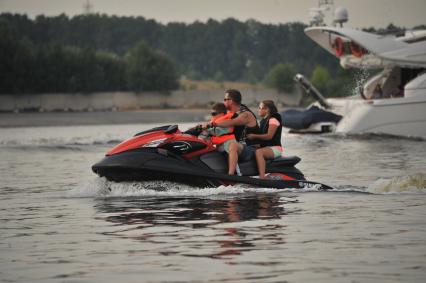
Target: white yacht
point(393, 101)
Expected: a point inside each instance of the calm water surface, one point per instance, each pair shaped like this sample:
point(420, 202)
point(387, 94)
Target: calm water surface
point(61, 223)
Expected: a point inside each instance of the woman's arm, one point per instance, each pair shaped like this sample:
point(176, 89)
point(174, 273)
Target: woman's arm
point(269, 135)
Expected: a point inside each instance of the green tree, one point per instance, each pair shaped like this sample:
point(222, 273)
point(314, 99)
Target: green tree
point(8, 45)
point(16, 61)
point(147, 69)
point(321, 79)
point(280, 77)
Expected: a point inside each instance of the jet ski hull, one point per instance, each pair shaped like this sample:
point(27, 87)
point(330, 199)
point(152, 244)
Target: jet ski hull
point(158, 164)
point(148, 165)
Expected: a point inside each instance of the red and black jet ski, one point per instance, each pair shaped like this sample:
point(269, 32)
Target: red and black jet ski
point(166, 153)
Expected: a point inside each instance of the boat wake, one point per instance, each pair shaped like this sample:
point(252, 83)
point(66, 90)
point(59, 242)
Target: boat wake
point(102, 188)
point(414, 183)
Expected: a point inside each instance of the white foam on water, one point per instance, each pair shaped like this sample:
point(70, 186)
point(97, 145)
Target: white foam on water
point(101, 187)
point(93, 188)
point(414, 183)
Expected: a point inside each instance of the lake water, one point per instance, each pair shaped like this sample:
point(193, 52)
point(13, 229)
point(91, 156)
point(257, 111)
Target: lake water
point(60, 223)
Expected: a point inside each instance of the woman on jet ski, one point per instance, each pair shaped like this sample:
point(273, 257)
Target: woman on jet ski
point(269, 137)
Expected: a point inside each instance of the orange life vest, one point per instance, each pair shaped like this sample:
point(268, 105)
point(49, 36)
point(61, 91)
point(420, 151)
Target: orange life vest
point(223, 138)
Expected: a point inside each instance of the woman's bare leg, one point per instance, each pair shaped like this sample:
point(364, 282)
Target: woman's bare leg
point(261, 155)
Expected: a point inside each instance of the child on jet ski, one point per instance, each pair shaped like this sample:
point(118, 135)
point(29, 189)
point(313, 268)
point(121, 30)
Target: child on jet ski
point(269, 137)
point(219, 136)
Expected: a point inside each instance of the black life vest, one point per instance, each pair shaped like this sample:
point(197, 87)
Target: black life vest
point(241, 132)
point(264, 126)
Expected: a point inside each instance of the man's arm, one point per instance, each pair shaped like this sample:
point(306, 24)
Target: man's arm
point(241, 120)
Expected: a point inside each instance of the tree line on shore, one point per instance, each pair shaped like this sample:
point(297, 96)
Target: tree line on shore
point(94, 52)
point(28, 66)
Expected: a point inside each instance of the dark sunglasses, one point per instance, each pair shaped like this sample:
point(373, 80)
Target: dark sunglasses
point(225, 99)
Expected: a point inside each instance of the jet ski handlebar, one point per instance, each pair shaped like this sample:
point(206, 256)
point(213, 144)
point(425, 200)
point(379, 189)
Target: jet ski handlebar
point(171, 129)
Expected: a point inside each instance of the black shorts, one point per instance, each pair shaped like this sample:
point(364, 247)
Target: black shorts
point(247, 153)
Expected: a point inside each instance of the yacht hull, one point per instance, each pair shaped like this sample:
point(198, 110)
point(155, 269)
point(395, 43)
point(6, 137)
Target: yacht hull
point(397, 116)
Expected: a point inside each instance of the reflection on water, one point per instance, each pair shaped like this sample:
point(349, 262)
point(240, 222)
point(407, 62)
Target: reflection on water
point(165, 219)
point(176, 211)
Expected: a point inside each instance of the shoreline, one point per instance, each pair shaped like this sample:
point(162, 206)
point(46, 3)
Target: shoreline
point(46, 119)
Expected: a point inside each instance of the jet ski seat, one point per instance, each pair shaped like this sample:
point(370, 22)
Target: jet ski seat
point(285, 160)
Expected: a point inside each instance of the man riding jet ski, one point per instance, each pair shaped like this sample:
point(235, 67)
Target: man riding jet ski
point(166, 153)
